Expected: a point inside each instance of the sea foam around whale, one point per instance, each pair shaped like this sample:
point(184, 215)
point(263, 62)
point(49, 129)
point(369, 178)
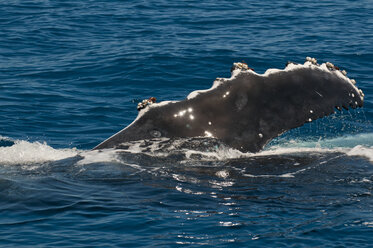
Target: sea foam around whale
point(25, 152)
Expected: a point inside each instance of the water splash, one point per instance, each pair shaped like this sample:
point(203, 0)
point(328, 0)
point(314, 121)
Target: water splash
point(181, 150)
point(362, 151)
point(24, 152)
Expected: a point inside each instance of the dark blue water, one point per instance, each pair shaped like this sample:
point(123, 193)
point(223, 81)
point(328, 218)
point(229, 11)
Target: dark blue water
point(71, 74)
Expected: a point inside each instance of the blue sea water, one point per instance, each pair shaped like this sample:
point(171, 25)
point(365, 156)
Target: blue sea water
point(71, 74)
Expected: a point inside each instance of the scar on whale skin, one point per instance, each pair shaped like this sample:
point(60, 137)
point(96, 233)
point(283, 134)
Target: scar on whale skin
point(248, 109)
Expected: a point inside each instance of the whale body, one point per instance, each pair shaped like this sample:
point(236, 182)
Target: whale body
point(248, 109)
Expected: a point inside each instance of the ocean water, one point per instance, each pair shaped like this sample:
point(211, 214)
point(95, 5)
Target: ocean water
point(71, 74)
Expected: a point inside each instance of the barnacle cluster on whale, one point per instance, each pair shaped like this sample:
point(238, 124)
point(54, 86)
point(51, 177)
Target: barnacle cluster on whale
point(248, 109)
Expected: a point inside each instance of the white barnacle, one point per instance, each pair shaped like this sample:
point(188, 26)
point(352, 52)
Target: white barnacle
point(309, 59)
point(210, 123)
point(243, 66)
point(191, 117)
point(240, 65)
point(353, 95)
point(353, 81)
point(311, 111)
point(309, 120)
point(329, 65)
point(260, 135)
point(190, 110)
point(361, 93)
point(344, 72)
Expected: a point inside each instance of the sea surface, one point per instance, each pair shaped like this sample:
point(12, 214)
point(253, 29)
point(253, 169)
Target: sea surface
point(71, 75)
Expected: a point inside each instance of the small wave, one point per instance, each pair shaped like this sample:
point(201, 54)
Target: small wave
point(24, 152)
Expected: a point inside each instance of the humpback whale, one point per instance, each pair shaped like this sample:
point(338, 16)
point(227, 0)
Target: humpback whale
point(248, 109)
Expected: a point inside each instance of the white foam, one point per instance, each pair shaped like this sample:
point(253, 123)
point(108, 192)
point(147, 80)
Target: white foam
point(24, 152)
point(361, 151)
point(222, 153)
point(96, 156)
point(352, 145)
point(291, 150)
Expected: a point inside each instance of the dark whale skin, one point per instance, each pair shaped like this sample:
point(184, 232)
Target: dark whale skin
point(249, 109)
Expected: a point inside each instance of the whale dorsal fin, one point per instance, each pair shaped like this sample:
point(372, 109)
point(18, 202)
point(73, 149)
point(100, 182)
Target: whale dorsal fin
point(249, 109)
